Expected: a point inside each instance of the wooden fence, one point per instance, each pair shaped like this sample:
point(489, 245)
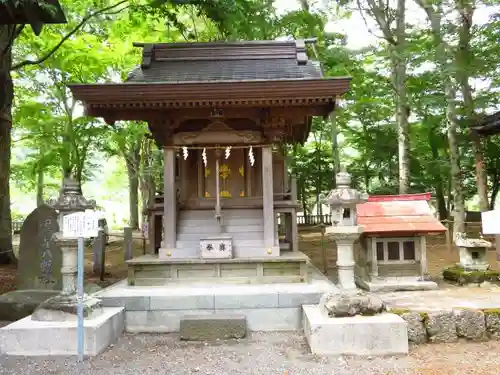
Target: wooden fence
point(314, 219)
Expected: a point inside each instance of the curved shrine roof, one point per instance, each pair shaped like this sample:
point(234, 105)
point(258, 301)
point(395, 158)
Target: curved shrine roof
point(408, 213)
point(271, 83)
point(237, 61)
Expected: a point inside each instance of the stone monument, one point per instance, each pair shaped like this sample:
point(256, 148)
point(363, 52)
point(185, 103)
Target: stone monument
point(55, 320)
point(39, 255)
point(345, 230)
point(350, 321)
point(38, 275)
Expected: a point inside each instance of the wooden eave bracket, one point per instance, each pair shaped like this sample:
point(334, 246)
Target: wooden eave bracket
point(302, 57)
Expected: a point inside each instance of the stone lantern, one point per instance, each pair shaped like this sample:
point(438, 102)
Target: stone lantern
point(57, 308)
point(345, 229)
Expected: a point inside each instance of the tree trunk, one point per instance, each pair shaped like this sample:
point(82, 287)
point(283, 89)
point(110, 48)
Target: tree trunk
point(435, 16)
point(39, 187)
point(6, 96)
point(456, 174)
point(132, 161)
point(396, 38)
point(402, 107)
point(439, 186)
point(133, 183)
point(335, 145)
point(466, 10)
point(494, 192)
point(146, 180)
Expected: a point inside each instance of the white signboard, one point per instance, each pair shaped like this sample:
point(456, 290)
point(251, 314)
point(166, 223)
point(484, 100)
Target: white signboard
point(491, 222)
point(81, 224)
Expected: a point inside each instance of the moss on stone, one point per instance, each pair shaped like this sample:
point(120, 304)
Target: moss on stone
point(424, 316)
point(462, 277)
point(399, 311)
point(492, 311)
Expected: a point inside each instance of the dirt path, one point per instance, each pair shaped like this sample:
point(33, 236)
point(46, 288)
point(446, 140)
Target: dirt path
point(261, 354)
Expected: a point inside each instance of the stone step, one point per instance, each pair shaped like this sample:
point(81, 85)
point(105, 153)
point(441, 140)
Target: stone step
point(212, 222)
point(242, 236)
point(186, 228)
point(213, 327)
point(236, 244)
point(227, 213)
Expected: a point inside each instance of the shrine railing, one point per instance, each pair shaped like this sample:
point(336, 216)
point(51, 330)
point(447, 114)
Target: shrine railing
point(314, 219)
point(16, 226)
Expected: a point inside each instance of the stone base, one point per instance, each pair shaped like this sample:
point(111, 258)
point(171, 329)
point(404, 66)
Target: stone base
point(149, 270)
point(28, 337)
point(396, 284)
point(213, 327)
point(21, 303)
point(384, 334)
point(266, 307)
point(474, 267)
point(63, 308)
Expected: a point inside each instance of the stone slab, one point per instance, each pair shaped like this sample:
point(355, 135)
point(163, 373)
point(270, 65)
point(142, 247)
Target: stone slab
point(18, 304)
point(213, 327)
point(397, 285)
point(384, 334)
point(27, 337)
point(213, 296)
point(294, 256)
point(168, 321)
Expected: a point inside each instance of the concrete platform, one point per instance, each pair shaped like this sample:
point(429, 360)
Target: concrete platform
point(27, 337)
point(384, 334)
point(267, 307)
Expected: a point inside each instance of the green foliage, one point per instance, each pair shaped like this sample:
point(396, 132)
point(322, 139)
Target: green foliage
point(55, 139)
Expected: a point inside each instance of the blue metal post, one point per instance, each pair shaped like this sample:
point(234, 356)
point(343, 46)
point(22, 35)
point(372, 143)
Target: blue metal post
point(79, 279)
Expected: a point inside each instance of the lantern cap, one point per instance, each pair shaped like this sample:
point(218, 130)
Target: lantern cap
point(71, 198)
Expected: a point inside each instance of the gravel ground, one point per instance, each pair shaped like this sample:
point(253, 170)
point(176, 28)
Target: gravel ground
point(261, 354)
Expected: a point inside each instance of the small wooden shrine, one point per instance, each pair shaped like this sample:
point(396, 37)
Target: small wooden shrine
point(393, 247)
point(223, 114)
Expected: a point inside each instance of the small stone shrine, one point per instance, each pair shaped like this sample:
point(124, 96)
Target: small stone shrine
point(392, 255)
point(345, 230)
point(472, 252)
point(39, 254)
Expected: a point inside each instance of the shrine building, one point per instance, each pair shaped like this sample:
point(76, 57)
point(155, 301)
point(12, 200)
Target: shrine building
point(223, 113)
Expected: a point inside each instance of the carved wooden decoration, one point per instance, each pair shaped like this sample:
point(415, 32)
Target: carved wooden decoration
point(217, 132)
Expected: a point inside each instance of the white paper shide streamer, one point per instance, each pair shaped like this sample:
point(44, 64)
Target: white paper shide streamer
point(251, 156)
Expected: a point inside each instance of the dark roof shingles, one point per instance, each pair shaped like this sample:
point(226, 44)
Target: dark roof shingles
point(224, 70)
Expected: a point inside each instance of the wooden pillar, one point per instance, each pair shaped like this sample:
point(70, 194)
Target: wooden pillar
point(151, 232)
point(373, 255)
point(169, 200)
point(267, 198)
point(295, 231)
point(423, 256)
